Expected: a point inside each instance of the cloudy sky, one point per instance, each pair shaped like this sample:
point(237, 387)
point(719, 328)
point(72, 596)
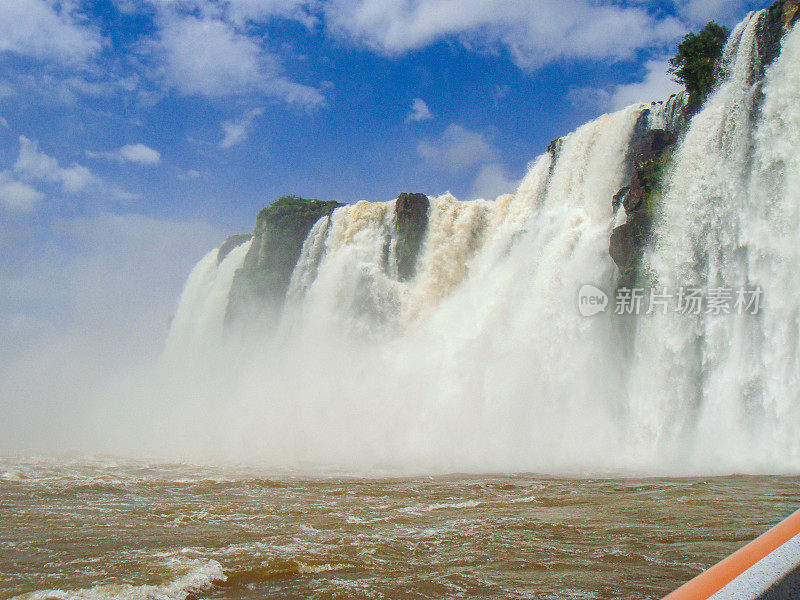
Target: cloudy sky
point(135, 134)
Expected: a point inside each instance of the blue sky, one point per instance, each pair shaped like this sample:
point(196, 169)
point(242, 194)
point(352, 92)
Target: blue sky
point(134, 134)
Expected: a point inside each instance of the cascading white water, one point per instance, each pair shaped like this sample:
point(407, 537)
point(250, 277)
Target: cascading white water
point(668, 115)
point(703, 388)
point(199, 320)
point(305, 272)
point(352, 286)
point(772, 236)
point(482, 361)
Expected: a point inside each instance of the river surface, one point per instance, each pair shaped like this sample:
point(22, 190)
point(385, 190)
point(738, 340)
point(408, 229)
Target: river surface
point(107, 528)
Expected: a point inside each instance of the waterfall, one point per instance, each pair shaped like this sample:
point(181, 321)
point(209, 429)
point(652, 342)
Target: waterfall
point(305, 272)
point(716, 388)
point(199, 320)
point(353, 287)
point(772, 236)
point(482, 361)
point(668, 115)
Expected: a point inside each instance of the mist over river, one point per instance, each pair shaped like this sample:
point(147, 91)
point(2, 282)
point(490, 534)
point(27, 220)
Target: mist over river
point(103, 528)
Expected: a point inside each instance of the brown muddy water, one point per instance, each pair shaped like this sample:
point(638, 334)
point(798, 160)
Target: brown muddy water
point(101, 528)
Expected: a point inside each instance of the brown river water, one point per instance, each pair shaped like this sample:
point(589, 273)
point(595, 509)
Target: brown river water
point(103, 528)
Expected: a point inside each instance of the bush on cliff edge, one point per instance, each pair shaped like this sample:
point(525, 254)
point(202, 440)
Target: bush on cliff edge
point(697, 57)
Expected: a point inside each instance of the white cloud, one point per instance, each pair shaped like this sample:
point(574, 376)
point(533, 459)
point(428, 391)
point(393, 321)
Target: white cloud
point(236, 11)
point(208, 56)
point(47, 30)
point(4, 122)
point(493, 181)
point(534, 33)
point(64, 87)
point(701, 11)
point(419, 111)
point(260, 11)
point(189, 175)
point(135, 153)
point(235, 132)
point(656, 85)
point(456, 149)
point(17, 196)
point(589, 98)
point(38, 166)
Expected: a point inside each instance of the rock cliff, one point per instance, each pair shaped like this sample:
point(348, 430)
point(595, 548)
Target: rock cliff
point(280, 230)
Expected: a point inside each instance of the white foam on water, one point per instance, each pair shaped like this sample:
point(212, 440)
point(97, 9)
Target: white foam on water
point(191, 577)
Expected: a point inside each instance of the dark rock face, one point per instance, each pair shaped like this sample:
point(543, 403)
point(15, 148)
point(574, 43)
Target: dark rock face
point(281, 228)
point(232, 242)
point(648, 144)
point(620, 197)
point(627, 242)
point(411, 223)
point(649, 153)
point(781, 17)
point(791, 14)
point(769, 33)
point(769, 36)
point(651, 150)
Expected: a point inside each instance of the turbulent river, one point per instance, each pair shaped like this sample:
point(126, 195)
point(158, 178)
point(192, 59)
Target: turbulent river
point(80, 529)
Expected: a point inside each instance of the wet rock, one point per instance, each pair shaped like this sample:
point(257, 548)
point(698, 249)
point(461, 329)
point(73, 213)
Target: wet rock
point(232, 242)
point(281, 228)
point(648, 156)
point(779, 20)
point(554, 147)
point(628, 239)
point(648, 145)
point(791, 13)
point(411, 223)
point(620, 197)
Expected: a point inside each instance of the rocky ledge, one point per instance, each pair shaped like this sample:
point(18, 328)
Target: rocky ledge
point(281, 228)
point(259, 287)
point(411, 223)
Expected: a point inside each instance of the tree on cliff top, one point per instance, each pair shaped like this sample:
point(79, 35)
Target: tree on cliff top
point(693, 65)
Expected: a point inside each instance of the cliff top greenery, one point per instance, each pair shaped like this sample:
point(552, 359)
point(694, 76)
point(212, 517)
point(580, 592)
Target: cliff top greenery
point(777, 8)
point(697, 57)
point(292, 209)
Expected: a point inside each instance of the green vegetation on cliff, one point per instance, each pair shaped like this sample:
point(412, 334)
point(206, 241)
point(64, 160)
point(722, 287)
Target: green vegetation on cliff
point(650, 154)
point(696, 60)
point(652, 175)
point(785, 12)
point(294, 212)
point(281, 228)
point(776, 9)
